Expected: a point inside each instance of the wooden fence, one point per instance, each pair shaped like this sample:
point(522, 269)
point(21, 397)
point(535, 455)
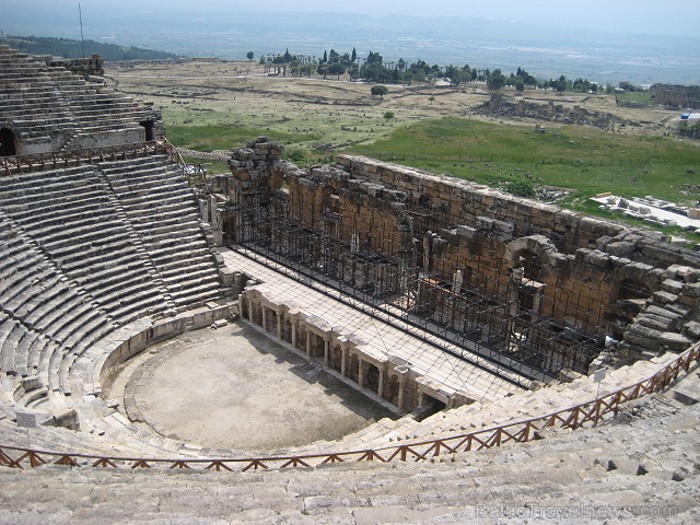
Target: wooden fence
point(586, 414)
point(19, 164)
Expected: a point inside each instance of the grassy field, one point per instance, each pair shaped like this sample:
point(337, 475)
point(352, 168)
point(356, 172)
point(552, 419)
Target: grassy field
point(211, 138)
point(214, 105)
point(586, 160)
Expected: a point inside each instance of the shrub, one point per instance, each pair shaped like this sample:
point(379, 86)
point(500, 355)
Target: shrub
point(521, 189)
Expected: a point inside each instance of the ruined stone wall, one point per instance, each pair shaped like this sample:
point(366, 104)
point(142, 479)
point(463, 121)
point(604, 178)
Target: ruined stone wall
point(676, 96)
point(497, 106)
point(455, 240)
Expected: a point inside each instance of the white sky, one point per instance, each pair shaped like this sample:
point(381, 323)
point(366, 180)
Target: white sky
point(674, 17)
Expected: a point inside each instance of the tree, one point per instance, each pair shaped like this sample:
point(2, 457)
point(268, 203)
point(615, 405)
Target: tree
point(375, 58)
point(519, 85)
point(250, 55)
point(322, 69)
point(336, 68)
point(496, 80)
point(353, 57)
point(324, 60)
point(379, 91)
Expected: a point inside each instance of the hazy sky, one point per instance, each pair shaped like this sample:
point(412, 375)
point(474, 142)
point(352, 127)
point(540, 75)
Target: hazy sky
point(675, 17)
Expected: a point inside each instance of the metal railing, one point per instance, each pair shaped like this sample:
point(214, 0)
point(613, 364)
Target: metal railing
point(590, 413)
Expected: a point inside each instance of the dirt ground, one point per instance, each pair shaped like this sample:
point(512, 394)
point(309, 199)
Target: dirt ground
point(236, 389)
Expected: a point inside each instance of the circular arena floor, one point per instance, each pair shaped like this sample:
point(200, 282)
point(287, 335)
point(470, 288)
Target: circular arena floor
point(233, 388)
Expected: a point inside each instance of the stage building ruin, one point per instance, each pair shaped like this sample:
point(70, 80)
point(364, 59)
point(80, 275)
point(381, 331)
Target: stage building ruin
point(532, 288)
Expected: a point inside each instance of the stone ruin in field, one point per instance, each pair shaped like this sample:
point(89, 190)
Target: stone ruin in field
point(497, 106)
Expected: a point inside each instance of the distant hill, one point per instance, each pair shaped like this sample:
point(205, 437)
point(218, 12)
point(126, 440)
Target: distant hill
point(68, 48)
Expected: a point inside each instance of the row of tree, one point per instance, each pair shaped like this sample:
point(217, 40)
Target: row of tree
point(375, 69)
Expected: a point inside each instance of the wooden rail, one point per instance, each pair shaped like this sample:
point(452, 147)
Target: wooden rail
point(18, 164)
point(585, 414)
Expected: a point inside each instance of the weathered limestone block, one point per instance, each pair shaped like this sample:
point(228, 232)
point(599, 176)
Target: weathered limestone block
point(484, 223)
point(671, 286)
point(243, 154)
point(663, 253)
point(692, 329)
point(681, 309)
point(466, 231)
point(598, 227)
point(308, 183)
point(642, 336)
point(621, 248)
point(664, 297)
point(596, 258)
point(560, 260)
point(396, 195)
point(656, 322)
point(674, 341)
point(638, 271)
point(664, 312)
point(692, 290)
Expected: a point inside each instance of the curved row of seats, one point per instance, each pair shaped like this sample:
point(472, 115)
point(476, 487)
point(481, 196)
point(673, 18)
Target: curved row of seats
point(44, 102)
point(87, 249)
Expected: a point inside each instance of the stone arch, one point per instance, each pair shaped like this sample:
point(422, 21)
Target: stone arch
point(8, 142)
point(532, 254)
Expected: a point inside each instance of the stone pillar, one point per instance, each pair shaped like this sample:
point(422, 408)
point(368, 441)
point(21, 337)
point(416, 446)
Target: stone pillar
point(263, 312)
point(279, 324)
point(360, 372)
point(402, 373)
point(294, 332)
point(343, 358)
point(309, 333)
point(457, 282)
point(250, 309)
point(380, 387)
point(215, 221)
point(326, 349)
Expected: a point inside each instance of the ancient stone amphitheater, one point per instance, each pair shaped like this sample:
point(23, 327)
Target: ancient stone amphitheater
point(541, 365)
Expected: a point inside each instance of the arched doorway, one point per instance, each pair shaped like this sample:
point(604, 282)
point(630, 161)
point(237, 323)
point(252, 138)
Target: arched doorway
point(148, 126)
point(8, 142)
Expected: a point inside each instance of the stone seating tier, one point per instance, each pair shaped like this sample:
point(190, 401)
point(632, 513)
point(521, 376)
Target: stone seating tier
point(619, 471)
point(75, 266)
point(49, 107)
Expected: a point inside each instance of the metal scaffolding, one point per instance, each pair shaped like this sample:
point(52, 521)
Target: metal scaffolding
point(500, 320)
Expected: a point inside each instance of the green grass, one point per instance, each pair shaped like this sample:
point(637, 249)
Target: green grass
point(585, 160)
point(210, 138)
point(635, 99)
